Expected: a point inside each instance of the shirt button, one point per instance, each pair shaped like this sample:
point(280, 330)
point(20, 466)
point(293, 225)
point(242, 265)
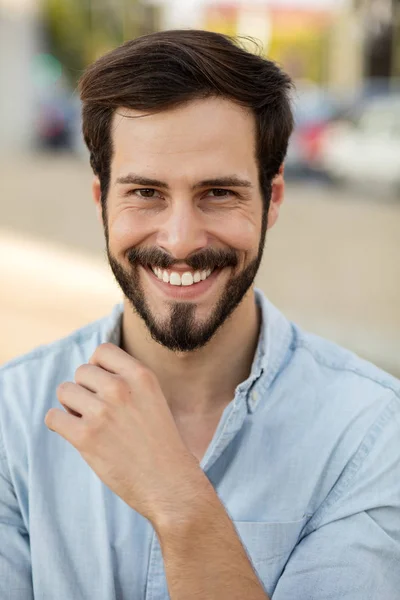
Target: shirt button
point(253, 399)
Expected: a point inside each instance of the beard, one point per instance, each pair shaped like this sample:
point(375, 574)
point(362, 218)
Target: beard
point(179, 331)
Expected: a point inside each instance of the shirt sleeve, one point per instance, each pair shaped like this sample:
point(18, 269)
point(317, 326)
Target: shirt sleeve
point(15, 562)
point(351, 546)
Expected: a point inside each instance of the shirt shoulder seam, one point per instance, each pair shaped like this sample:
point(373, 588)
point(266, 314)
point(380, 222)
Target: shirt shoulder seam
point(335, 367)
point(43, 351)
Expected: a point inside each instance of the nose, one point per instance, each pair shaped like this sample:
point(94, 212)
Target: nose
point(182, 233)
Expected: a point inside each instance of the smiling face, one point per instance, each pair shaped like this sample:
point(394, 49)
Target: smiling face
point(185, 217)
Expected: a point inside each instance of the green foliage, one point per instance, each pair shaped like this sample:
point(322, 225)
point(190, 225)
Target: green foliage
point(81, 30)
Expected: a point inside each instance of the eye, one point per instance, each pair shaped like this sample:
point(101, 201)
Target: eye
point(145, 193)
point(221, 193)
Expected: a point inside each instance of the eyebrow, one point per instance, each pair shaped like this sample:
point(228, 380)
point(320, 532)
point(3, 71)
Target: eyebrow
point(230, 181)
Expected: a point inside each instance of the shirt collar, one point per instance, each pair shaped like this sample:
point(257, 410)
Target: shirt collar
point(274, 343)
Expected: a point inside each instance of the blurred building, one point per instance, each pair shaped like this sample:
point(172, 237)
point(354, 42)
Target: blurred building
point(293, 32)
point(19, 42)
point(365, 43)
point(296, 33)
point(335, 43)
point(381, 21)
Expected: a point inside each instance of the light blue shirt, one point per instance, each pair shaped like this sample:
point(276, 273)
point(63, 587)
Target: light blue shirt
point(306, 460)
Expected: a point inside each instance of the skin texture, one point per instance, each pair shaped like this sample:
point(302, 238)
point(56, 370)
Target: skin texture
point(142, 415)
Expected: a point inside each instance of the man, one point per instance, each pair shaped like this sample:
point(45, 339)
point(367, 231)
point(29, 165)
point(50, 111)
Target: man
point(209, 448)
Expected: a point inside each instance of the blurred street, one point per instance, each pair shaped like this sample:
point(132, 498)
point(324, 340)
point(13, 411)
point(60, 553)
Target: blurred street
point(331, 263)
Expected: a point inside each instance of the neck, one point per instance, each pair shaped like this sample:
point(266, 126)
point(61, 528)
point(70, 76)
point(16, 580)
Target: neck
point(201, 382)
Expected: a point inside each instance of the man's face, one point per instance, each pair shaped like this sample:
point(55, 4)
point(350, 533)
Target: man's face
point(184, 207)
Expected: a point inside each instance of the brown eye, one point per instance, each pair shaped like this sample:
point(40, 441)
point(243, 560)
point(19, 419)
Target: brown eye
point(220, 193)
point(146, 193)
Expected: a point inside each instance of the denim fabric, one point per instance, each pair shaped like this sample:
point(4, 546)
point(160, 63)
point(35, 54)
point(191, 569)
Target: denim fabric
point(306, 460)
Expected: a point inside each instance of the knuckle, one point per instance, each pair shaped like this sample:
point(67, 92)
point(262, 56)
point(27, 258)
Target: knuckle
point(115, 388)
point(143, 374)
point(85, 438)
point(101, 411)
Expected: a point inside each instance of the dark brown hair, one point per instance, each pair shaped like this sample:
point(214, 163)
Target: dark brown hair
point(165, 69)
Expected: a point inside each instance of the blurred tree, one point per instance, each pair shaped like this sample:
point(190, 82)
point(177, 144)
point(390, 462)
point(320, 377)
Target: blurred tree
point(396, 40)
point(381, 20)
point(79, 31)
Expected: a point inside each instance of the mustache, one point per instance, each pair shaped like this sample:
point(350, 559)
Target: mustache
point(209, 258)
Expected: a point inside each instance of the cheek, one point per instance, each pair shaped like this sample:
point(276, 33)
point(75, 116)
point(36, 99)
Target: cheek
point(126, 230)
point(241, 234)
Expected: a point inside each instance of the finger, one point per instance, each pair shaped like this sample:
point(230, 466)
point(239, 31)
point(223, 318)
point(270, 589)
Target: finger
point(113, 359)
point(73, 396)
point(69, 427)
point(72, 412)
point(93, 378)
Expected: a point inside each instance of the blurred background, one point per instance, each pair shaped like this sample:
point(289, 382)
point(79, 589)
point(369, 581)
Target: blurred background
point(331, 263)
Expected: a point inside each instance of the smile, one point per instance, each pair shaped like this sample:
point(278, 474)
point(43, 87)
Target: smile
point(189, 285)
point(187, 278)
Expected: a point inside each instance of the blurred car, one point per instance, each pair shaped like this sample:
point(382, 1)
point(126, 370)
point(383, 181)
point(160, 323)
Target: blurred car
point(314, 109)
point(366, 151)
point(54, 121)
point(59, 124)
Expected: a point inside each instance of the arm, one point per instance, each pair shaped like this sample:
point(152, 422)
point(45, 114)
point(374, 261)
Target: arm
point(15, 563)
point(204, 557)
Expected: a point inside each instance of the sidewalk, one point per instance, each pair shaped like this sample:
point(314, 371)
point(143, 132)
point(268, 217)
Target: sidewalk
point(48, 292)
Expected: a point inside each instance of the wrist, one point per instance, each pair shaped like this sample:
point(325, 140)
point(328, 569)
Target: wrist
point(192, 505)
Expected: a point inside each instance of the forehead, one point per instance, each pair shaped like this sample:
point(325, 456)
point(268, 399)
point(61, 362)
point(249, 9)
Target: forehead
point(198, 140)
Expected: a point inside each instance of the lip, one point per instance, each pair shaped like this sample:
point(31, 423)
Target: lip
point(183, 292)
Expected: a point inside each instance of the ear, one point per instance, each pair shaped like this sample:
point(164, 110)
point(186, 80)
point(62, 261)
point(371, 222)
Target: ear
point(96, 193)
point(277, 197)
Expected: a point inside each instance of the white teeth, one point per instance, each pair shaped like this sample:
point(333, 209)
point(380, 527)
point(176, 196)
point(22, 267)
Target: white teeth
point(186, 278)
point(175, 278)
